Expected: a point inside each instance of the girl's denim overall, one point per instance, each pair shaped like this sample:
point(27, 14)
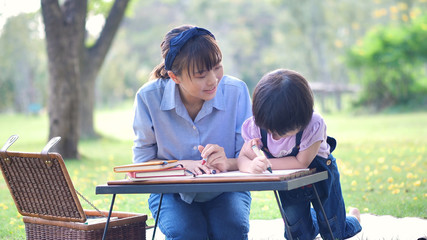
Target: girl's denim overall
point(306, 222)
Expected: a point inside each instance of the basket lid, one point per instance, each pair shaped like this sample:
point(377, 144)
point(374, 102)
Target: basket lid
point(40, 184)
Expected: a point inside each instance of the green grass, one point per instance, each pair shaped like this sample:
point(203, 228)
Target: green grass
point(382, 160)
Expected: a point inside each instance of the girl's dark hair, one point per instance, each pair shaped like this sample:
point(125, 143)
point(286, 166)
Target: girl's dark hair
point(199, 53)
point(282, 102)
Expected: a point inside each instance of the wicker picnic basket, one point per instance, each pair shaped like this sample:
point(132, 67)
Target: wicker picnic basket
point(44, 194)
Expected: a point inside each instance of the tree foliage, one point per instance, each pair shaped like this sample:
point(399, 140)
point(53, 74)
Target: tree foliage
point(22, 65)
point(391, 61)
point(312, 37)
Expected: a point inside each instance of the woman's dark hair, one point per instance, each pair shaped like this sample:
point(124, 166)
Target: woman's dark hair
point(282, 102)
point(199, 53)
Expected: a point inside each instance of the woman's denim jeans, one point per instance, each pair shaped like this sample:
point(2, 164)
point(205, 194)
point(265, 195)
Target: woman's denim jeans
point(224, 217)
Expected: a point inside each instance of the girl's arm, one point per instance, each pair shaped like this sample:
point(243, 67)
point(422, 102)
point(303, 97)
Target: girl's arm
point(302, 160)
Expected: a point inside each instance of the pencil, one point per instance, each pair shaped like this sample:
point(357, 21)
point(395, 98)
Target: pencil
point(260, 153)
point(190, 172)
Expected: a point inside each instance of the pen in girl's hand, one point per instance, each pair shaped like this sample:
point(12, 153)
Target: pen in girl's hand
point(260, 153)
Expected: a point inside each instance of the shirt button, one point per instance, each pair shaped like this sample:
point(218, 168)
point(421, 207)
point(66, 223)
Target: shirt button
point(194, 127)
point(195, 147)
point(328, 162)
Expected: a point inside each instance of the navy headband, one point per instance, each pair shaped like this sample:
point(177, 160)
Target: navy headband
point(177, 42)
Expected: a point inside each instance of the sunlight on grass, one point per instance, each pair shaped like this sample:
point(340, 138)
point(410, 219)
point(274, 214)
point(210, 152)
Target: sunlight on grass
point(382, 161)
point(387, 171)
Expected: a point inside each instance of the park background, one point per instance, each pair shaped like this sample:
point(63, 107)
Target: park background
point(365, 60)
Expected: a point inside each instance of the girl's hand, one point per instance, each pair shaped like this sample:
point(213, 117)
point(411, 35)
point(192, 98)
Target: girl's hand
point(215, 157)
point(259, 165)
point(249, 161)
point(247, 151)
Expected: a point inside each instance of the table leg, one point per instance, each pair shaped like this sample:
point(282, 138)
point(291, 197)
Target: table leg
point(323, 211)
point(282, 212)
point(158, 214)
point(109, 216)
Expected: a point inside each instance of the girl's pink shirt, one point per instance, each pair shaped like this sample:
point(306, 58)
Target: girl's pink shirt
point(315, 131)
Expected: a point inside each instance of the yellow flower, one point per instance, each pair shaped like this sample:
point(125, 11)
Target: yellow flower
point(417, 183)
point(402, 6)
point(265, 208)
point(367, 169)
point(396, 191)
point(409, 175)
point(405, 17)
point(389, 179)
point(396, 169)
point(353, 183)
point(393, 9)
point(348, 172)
point(3, 206)
point(338, 44)
point(381, 160)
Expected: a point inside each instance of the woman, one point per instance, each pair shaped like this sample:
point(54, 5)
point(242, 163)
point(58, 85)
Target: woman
point(191, 112)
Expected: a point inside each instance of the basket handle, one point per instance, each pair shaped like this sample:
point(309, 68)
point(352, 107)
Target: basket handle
point(45, 151)
point(9, 143)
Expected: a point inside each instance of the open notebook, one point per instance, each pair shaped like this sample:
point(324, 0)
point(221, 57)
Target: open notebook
point(226, 175)
point(242, 174)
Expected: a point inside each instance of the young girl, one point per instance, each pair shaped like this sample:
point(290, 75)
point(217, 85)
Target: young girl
point(190, 111)
point(293, 136)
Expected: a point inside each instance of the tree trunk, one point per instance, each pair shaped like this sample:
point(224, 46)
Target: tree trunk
point(64, 30)
point(73, 68)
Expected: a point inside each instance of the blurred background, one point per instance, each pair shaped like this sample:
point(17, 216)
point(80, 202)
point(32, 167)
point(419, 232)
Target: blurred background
point(365, 60)
point(358, 55)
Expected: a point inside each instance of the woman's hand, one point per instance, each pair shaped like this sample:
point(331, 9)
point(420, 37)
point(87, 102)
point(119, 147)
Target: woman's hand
point(215, 157)
point(197, 167)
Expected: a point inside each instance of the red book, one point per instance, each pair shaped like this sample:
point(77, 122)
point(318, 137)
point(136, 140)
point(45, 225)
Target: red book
point(150, 165)
point(169, 172)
